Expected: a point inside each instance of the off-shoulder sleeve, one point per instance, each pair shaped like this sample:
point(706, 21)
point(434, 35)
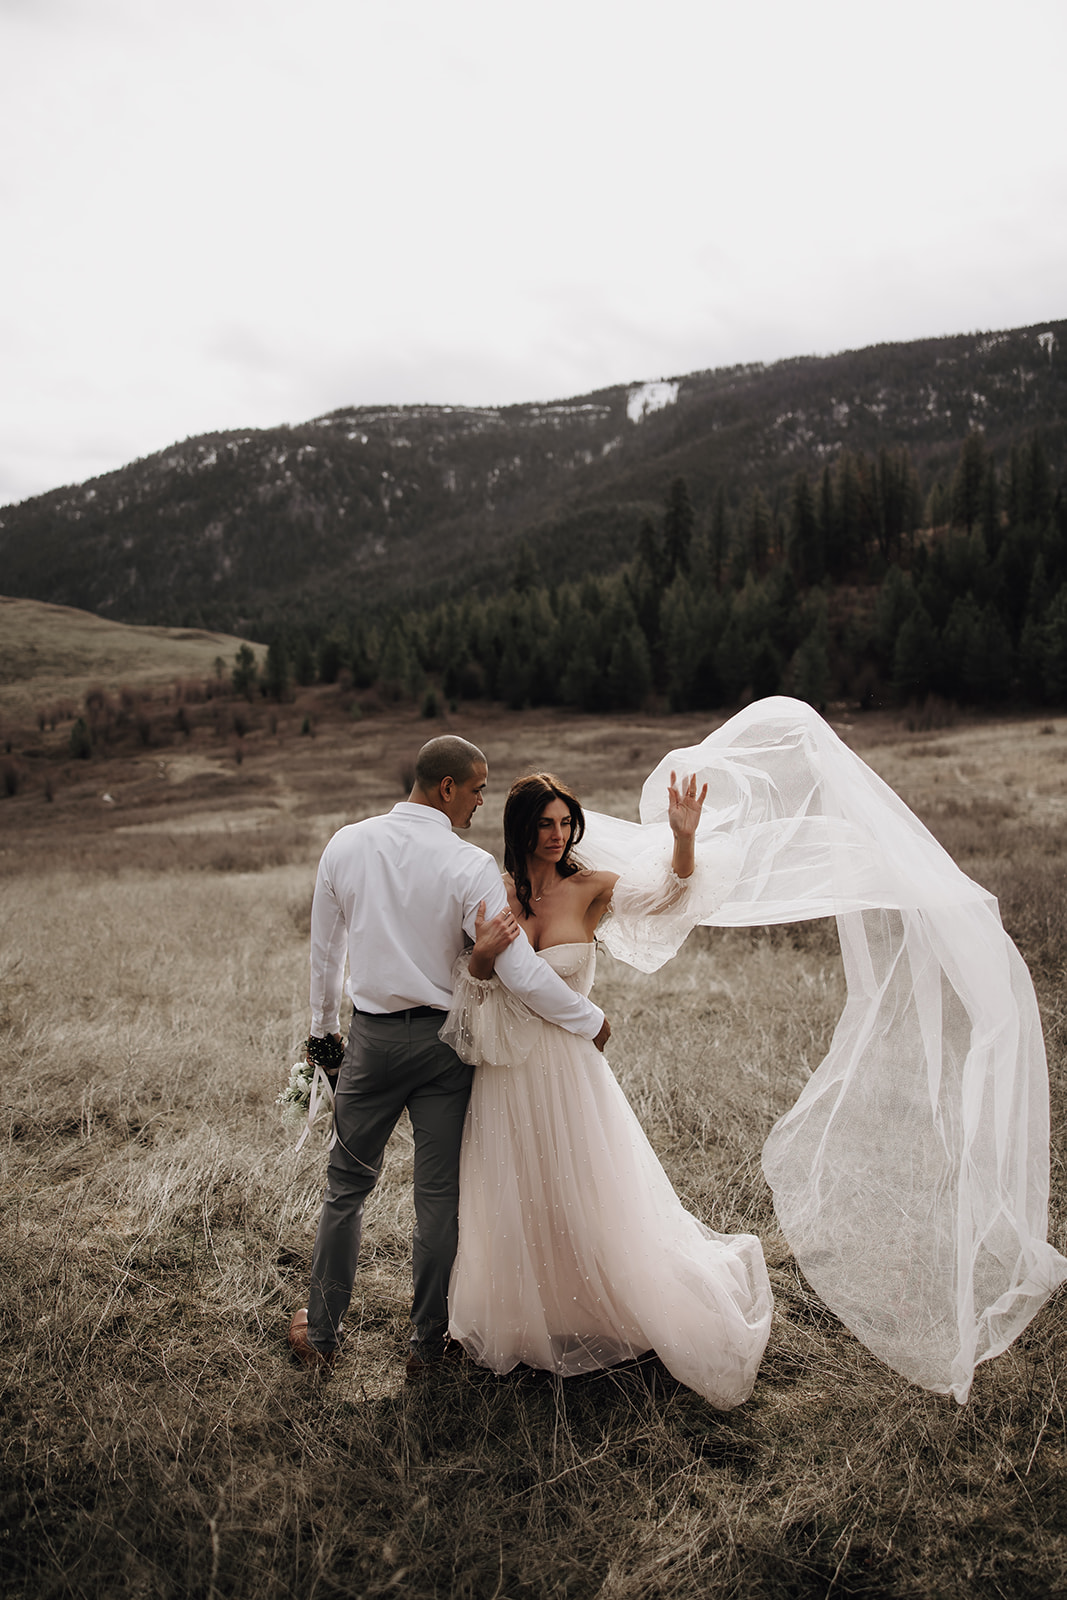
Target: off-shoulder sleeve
point(652, 909)
point(488, 1025)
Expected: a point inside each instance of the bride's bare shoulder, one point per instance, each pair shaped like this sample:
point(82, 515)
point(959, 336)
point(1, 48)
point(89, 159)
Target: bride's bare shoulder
point(597, 885)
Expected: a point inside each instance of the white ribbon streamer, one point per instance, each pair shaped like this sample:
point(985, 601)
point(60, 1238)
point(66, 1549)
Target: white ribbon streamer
point(321, 1098)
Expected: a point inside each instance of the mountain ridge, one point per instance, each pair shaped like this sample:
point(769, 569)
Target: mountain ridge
point(386, 506)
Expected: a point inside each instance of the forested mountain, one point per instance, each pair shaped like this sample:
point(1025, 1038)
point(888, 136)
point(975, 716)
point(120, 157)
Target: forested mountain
point(367, 510)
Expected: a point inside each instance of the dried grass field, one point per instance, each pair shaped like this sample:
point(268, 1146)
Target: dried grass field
point(156, 1226)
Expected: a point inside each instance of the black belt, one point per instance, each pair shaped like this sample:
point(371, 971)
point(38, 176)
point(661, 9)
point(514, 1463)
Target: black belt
point(405, 1015)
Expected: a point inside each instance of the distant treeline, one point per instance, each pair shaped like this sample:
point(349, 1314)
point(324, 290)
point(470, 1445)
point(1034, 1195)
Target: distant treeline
point(854, 589)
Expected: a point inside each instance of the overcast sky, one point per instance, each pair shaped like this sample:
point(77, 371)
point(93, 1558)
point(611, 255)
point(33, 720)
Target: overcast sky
point(230, 213)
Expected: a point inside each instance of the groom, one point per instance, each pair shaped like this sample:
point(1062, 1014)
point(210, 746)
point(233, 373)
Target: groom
point(397, 893)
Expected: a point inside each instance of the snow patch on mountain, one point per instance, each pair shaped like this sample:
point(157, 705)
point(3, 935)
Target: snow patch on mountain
point(649, 397)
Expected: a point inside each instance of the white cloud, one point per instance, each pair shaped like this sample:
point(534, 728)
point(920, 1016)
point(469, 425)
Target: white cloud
point(239, 212)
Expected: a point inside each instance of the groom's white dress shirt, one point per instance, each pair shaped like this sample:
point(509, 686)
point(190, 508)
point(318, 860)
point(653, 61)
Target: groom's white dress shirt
point(403, 888)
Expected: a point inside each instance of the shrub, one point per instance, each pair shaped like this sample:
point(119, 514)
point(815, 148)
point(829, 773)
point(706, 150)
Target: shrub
point(430, 707)
point(10, 778)
point(81, 741)
point(934, 713)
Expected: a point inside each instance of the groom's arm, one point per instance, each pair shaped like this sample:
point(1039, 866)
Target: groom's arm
point(532, 979)
point(328, 941)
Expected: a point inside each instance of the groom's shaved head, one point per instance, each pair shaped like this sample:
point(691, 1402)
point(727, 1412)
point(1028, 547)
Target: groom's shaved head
point(447, 757)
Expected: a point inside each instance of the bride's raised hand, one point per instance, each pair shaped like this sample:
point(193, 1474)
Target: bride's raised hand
point(684, 806)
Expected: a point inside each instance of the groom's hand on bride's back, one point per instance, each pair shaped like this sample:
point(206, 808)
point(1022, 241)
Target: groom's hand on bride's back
point(603, 1036)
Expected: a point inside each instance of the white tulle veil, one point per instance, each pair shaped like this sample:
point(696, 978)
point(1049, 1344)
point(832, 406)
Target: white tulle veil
point(911, 1176)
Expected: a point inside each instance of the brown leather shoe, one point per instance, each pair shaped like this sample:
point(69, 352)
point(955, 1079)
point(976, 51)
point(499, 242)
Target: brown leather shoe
point(303, 1349)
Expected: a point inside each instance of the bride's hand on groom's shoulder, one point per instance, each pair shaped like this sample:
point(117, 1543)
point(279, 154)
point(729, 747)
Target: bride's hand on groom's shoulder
point(492, 935)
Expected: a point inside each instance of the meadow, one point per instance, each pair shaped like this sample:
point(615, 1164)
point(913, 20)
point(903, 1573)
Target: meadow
point(157, 1226)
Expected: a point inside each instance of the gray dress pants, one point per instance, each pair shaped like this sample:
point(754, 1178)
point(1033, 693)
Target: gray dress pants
point(392, 1062)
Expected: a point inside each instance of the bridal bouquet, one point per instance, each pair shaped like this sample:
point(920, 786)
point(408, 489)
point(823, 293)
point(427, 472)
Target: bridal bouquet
point(295, 1098)
point(310, 1087)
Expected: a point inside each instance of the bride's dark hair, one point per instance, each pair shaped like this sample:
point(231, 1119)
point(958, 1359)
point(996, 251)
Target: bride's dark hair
point(526, 800)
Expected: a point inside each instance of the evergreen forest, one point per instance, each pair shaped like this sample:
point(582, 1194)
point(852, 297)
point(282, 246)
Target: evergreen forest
point(852, 589)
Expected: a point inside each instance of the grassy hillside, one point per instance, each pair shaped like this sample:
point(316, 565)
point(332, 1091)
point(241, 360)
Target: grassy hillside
point(157, 1228)
point(52, 653)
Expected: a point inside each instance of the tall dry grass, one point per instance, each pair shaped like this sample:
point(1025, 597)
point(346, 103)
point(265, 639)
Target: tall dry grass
point(156, 1236)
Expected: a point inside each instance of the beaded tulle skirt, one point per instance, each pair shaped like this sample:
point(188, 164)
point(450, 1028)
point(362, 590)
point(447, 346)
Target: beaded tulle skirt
point(575, 1253)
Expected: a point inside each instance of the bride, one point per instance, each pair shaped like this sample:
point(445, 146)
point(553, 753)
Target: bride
point(911, 1176)
point(574, 1251)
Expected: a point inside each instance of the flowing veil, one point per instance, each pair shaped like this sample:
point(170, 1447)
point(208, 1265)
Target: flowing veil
point(911, 1176)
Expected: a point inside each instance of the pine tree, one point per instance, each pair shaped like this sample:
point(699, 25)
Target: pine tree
point(959, 645)
point(276, 677)
point(849, 512)
point(989, 662)
point(243, 676)
point(397, 670)
point(990, 519)
point(331, 658)
point(677, 528)
point(765, 667)
point(733, 659)
point(1040, 597)
point(629, 670)
point(1032, 659)
point(1037, 481)
point(303, 661)
point(524, 575)
point(896, 598)
point(1054, 649)
point(805, 543)
point(719, 543)
point(916, 656)
point(513, 677)
point(583, 683)
point(828, 524)
point(811, 669)
point(969, 481)
point(760, 532)
point(937, 506)
point(680, 643)
point(361, 652)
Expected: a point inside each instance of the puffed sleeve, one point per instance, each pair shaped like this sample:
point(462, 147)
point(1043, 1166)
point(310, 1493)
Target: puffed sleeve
point(652, 910)
point(488, 1025)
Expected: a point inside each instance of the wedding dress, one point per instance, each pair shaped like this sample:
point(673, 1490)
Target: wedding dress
point(575, 1253)
point(911, 1176)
